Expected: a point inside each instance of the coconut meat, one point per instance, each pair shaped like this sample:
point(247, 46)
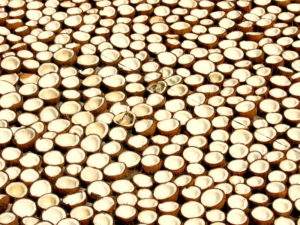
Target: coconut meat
point(17, 189)
point(54, 214)
point(98, 160)
point(192, 209)
point(138, 141)
point(262, 213)
point(143, 125)
point(104, 204)
point(29, 160)
point(212, 197)
point(165, 190)
point(174, 162)
point(99, 188)
point(168, 219)
point(5, 135)
point(7, 217)
point(48, 200)
point(24, 207)
point(168, 125)
point(40, 188)
point(67, 182)
point(125, 211)
point(114, 169)
point(122, 186)
point(81, 212)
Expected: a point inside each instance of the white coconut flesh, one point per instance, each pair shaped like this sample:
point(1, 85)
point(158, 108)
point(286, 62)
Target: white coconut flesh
point(99, 128)
point(91, 174)
point(114, 169)
point(215, 215)
point(92, 80)
point(7, 217)
point(70, 107)
point(25, 135)
point(191, 192)
point(112, 147)
point(75, 198)
point(81, 212)
point(183, 180)
point(11, 153)
point(255, 181)
point(174, 162)
point(98, 160)
point(54, 214)
point(147, 216)
point(168, 219)
point(125, 211)
point(53, 158)
point(168, 125)
point(91, 143)
point(103, 218)
point(213, 157)
point(162, 114)
point(143, 125)
point(163, 176)
point(17, 189)
point(6, 135)
point(68, 221)
point(282, 205)
point(238, 165)
point(29, 160)
point(293, 192)
point(66, 182)
point(142, 180)
point(150, 160)
point(138, 141)
point(99, 188)
point(262, 213)
point(203, 182)
point(171, 149)
point(129, 158)
point(237, 216)
point(10, 63)
point(103, 204)
point(165, 190)
point(147, 200)
point(24, 207)
point(48, 200)
point(127, 199)
point(192, 209)
point(237, 201)
point(122, 186)
point(219, 175)
point(118, 133)
point(212, 197)
point(29, 175)
point(40, 188)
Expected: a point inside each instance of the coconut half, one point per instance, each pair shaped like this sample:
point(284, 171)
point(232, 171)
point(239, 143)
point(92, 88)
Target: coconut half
point(126, 213)
point(103, 218)
point(24, 207)
point(168, 219)
point(16, 190)
point(48, 200)
point(263, 215)
point(213, 198)
point(166, 191)
point(39, 188)
point(67, 185)
point(54, 214)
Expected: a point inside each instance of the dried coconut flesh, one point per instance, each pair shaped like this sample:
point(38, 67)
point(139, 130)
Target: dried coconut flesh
point(167, 112)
